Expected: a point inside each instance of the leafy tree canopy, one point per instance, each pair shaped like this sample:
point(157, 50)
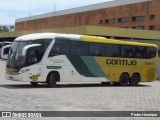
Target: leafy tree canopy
point(1, 30)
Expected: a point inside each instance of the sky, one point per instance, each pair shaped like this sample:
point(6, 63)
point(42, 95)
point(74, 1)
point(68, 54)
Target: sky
point(10, 10)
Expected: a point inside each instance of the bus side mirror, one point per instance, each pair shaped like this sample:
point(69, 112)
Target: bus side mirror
point(24, 50)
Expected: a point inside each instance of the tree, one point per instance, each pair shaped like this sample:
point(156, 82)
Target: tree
point(1, 30)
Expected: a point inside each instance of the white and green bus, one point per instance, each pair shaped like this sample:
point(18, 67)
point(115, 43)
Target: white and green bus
point(51, 58)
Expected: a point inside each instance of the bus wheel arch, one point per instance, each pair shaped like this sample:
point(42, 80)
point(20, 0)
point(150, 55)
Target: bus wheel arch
point(124, 79)
point(52, 78)
point(135, 79)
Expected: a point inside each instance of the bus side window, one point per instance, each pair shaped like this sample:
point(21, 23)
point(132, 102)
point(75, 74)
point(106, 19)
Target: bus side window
point(31, 57)
point(34, 56)
point(44, 45)
point(60, 47)
point(151, 52)
point(96, 49)
point(79, 48)
point(140, 52)
point(127, 51)
point(113, 50)
point(6, 51)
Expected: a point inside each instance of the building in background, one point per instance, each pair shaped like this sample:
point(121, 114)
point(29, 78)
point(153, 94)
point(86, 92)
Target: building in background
point(135, 14)
point(7, 28)
point(101, 19)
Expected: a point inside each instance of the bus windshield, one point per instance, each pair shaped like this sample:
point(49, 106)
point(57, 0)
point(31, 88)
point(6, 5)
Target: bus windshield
point(15, 58)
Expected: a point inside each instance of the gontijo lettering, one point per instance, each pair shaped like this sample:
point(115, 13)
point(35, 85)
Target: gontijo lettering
point(121, 62)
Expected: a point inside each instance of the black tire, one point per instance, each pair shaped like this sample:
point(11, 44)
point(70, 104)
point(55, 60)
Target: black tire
point(124, 80)
point(34, 83)
point(105, 83)
point(52, 80)
point(135, 79)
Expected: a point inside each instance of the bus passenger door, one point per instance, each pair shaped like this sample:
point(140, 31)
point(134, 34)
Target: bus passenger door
point(34, 57)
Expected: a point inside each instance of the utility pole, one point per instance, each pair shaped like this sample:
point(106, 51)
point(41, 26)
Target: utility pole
point(30, 11)
point(54, 12)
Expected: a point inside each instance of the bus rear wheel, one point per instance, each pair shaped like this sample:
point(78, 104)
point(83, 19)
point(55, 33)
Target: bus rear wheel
point(124, 80)
point(52, 80)
point(135, 79)
point(34, 83)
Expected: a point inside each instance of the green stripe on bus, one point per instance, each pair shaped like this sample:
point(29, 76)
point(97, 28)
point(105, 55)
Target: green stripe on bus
point(54, 67)
point(93, 66)
point(80, 66)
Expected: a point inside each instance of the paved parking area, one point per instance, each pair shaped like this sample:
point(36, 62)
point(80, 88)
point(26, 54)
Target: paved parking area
point(21, 96)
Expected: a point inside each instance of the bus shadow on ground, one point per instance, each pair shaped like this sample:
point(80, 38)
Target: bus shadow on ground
point(91, 85)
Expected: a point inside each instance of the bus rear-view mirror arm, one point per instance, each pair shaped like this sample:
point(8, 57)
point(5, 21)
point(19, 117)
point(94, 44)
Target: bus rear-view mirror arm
point(27, 47)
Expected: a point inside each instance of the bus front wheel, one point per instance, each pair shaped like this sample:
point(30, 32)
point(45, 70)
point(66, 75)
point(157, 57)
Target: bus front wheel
point(51, 80)
point(135, 79)
point(124, 80)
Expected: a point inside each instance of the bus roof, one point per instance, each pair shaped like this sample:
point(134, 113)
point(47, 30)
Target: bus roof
point(35, 36)
point(113, 41)
point(7, 42)
point(79, 37)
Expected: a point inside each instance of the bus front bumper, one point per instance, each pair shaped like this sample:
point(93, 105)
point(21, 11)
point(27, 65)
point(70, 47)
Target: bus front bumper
point(18, 77)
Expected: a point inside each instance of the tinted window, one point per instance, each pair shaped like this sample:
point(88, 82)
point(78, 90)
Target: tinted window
point(111, 21)
point(79, 48)
point(124, 19)
point(35, 54)
point(139, 27)
point(151, 52)
point(140, 52)
point(44, 43)
point(127, 51)
point(138, 18)
point(47, 42)
point(96, 49)
point(113, 50)
point(6, 51)
point(60, 47)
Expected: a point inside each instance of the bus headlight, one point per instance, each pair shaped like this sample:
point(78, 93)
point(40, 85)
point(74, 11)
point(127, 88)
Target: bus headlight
point(24, 70)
